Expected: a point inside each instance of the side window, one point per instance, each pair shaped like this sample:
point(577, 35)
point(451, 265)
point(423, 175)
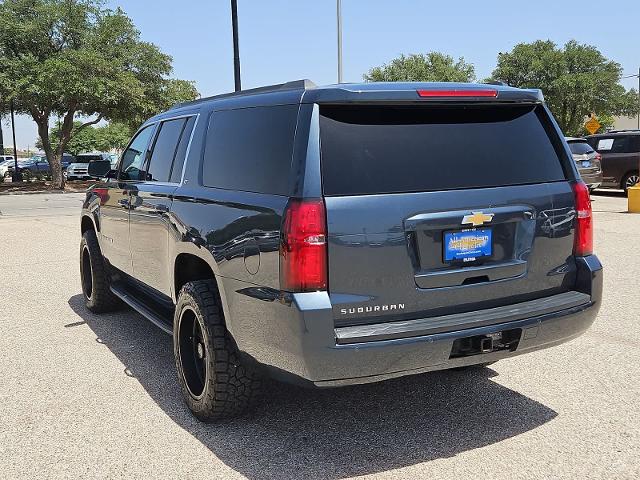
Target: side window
point(634, 144)
point(620, 145)
point(604, 144)
point(134, 156)
point(178, 162)
point(250, 149)
point(164, 150)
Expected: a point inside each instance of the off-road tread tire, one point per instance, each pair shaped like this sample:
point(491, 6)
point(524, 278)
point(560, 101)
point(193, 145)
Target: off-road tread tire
point(102, 300)
point(232, 384)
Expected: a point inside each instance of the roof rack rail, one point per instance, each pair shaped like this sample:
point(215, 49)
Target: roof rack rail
point(624, 130)
point(293, 85)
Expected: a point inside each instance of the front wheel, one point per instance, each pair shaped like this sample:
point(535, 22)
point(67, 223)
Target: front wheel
point(629, 180)
point(94, 276)
point(215, 381)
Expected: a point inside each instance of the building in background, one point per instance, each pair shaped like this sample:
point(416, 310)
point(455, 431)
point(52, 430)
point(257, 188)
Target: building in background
point(625, 123)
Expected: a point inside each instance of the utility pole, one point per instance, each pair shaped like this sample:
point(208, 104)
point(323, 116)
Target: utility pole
point(1, 139)
point(339, 15)
point(236, 47)
point(17, 176)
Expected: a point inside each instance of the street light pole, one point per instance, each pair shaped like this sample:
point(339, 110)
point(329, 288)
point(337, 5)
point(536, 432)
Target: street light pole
point(236, 47)
point(1, 140)
point(339, 15)
point(17, 176)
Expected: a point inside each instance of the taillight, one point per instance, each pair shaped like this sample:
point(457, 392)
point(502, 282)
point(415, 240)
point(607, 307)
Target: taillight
point(102, 193)
point(459, 93)
point(583, 243)
point(598, 157)
point(303, 246)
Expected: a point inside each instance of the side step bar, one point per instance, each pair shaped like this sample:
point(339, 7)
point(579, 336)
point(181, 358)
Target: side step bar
point(460, 321)
point(119, 291)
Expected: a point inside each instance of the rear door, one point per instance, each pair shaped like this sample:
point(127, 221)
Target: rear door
point(150, 203)
point(443, 209)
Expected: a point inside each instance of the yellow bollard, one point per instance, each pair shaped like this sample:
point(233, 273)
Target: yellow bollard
point(633, 199)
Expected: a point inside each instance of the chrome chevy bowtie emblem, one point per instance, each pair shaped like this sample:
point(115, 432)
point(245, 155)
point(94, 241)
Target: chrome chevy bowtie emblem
point(478, 218)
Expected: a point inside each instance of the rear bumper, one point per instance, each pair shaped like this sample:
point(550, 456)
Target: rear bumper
point(304, 344)
point(593, 180)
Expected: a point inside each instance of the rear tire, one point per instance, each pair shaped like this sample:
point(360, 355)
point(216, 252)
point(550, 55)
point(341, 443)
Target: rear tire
point(215, 381)
point(629, 180)
point(94, 276)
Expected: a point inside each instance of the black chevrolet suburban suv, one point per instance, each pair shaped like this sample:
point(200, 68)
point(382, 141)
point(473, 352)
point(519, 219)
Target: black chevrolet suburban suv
point(343, 234)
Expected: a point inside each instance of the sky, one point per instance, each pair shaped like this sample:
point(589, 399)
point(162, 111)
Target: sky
point(289, 40)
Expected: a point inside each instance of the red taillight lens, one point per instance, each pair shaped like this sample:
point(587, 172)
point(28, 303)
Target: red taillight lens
point(458, 93)
point(103, 194)
point(598, 157)
point(583, 243)
point(303, 248)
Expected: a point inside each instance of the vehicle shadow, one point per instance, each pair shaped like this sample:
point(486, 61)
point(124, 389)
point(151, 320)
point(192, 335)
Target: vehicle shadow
point(330, 434)
point(608, 193)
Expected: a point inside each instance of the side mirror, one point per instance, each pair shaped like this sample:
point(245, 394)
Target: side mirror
point(99, 168)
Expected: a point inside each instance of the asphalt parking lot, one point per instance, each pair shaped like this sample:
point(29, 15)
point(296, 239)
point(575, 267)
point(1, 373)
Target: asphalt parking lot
point(87, 396)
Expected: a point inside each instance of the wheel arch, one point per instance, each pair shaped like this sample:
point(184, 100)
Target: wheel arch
point(192, 266)
point(88, 222)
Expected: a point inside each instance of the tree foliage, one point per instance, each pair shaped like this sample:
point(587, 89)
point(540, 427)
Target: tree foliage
point(113, 136)
point(576, 80)
point(432, 67)
point(71, 58)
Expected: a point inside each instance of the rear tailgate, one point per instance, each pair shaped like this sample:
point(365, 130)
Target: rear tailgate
point(443, 209)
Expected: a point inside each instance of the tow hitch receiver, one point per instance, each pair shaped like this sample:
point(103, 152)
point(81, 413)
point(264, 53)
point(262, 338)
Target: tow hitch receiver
point(492, 342)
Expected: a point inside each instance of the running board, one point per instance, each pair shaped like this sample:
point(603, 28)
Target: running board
point(143, 309)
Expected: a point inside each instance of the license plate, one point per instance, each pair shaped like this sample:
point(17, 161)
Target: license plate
point(467, 245)
point(586, 164)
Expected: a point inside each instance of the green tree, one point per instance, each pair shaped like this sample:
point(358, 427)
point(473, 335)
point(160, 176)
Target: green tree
point(71, 58)
point(576, 80)
point(114, 136)
point(83, 139)
point(432, 67)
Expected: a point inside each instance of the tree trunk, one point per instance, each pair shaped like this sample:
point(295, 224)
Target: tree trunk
point(53, 159)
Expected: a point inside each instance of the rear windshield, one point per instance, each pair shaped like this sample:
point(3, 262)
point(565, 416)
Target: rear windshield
point(392, 149)
point(580, 148)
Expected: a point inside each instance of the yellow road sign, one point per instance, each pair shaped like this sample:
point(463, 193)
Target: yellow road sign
point(592, 125)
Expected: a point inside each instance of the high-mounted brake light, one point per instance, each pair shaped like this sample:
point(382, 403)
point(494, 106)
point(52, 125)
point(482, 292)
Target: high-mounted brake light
point(303, 247)
point(583, 240)
point(458, 93)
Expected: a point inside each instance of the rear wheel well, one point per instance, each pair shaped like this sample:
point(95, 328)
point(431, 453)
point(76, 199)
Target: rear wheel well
point(189, 268)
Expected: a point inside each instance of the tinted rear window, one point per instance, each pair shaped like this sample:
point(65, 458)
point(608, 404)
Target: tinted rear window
point(580, 148)
point(371, 149)
point(250, 149)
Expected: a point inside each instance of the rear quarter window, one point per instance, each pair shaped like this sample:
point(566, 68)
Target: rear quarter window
point(393, 149)
point(250, 149)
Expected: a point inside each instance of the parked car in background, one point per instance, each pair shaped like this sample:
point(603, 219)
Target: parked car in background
point(620, 152)
point(587, 160)
point(5, 161)
point(39, 164)
point(78, 169)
